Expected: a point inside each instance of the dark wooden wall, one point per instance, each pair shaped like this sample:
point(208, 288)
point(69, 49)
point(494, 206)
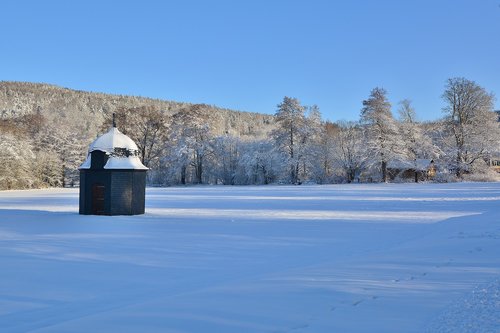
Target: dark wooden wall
point(124, 191)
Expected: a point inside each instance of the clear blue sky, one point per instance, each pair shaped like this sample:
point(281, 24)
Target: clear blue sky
point(247, 55)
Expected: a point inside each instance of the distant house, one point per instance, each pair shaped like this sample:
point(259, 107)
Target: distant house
point(419, 170)
point(494, 162)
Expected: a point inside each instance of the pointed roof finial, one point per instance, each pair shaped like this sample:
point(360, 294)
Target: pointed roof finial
point(114, 120)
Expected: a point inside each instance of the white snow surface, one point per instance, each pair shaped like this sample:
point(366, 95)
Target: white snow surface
point(341, 258)
point(112, 139)
point(115, 162)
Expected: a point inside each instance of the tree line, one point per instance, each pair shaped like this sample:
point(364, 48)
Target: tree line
point(193, 144)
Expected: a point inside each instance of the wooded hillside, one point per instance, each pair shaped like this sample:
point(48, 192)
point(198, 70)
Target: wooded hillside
point(59, 123)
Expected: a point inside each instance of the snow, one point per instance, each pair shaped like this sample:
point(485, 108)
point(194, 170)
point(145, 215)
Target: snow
point(113, 139)
point(131, 162)
point(115, 162)
point(107, 143)
point(421, 164)
point(341, 258)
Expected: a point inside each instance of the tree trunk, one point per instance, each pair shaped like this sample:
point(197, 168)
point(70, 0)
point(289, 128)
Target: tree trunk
point(416, 169)
point(199, 168)
point(458, 170)
point(296, 181)
point(183, 175)
point(350, 176)
point(63, 170)
point(384, 171)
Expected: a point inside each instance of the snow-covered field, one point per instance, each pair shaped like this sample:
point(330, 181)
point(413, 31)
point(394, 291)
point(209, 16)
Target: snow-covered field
point(343, 258)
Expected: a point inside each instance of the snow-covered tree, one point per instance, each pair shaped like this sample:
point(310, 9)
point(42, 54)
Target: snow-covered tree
point(312, 135)
point(48, 169)
point(349, 153)
point(58, 143)
point(383, 141)
point(471, 124)
point(224, 166)
point(66, 144)
point(261, 162)
point(290, 118)
point(17, 162)
point(417, 145)
point(194, 141)
point(322, 156)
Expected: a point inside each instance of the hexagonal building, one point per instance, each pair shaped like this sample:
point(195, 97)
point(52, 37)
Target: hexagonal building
point(112, 178)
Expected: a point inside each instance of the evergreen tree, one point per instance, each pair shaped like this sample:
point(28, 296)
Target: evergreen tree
point(290, 118)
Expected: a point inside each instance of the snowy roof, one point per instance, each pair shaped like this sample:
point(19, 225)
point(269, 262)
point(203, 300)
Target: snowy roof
point(421, 163)
point(112, 139)
point(86, 164)
point(108, 143)
point(117, 162)
point(131, 162)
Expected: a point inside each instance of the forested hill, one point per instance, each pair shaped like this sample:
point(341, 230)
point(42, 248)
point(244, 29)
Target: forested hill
point(18, 98)
point(46, 129)
point(87, 110)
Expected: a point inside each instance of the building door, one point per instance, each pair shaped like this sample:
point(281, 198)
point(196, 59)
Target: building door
point(98, 193)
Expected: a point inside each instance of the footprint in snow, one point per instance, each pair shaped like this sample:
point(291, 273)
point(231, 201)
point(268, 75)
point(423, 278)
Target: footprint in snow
point(356, 303)
point(448, 263)
point(299, 327)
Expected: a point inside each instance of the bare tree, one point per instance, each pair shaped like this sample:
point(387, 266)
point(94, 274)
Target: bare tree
point(349, 149)
point(227, 157)
point(260, 162)
point(147, 126)
point(193, 136)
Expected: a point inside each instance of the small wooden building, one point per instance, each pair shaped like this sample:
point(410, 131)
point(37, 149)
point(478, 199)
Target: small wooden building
point(418, 170)
point(112, 178)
